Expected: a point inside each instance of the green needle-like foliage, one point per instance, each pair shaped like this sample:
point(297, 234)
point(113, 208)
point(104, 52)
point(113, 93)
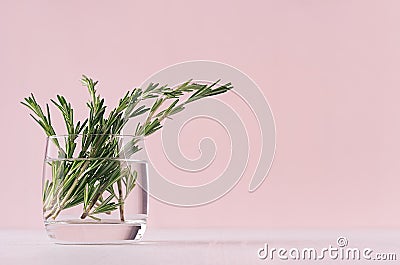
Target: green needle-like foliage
point(102, 184)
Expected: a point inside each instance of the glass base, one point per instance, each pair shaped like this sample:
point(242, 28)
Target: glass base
point(85, 232)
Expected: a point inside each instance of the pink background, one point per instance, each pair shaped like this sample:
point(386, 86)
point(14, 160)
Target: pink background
point(330, 71)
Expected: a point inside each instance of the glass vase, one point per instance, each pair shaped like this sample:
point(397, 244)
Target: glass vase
point(95, 189)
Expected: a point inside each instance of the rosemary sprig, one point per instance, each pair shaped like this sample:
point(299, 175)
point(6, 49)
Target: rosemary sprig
point(91, 183)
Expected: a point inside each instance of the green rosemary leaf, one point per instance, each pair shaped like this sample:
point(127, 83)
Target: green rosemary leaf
point(139, 111)
point(48, 114)
point(156, 105)
point(45, 189)
point(105, 206)
point(95, 218)
point(152, 127)
point(86, 196)
point(130, 182)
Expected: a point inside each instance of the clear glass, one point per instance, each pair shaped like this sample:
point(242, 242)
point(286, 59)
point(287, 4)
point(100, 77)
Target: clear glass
point(95, 189)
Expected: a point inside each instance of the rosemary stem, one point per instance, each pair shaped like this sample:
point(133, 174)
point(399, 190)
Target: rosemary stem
point(56, 210)
point(120, 201)
point(92, 204)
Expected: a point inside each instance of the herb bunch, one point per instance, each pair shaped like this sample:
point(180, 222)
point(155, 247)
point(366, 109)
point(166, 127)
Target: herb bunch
point(102, 185)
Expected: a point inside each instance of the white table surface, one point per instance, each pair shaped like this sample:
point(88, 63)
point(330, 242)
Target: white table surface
point(195, 246)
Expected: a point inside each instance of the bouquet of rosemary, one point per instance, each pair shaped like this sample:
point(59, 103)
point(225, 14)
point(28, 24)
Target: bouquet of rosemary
point(101, 186)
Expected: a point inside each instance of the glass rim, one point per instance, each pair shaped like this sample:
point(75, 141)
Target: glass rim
point(122, 159)
point(96, 134)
